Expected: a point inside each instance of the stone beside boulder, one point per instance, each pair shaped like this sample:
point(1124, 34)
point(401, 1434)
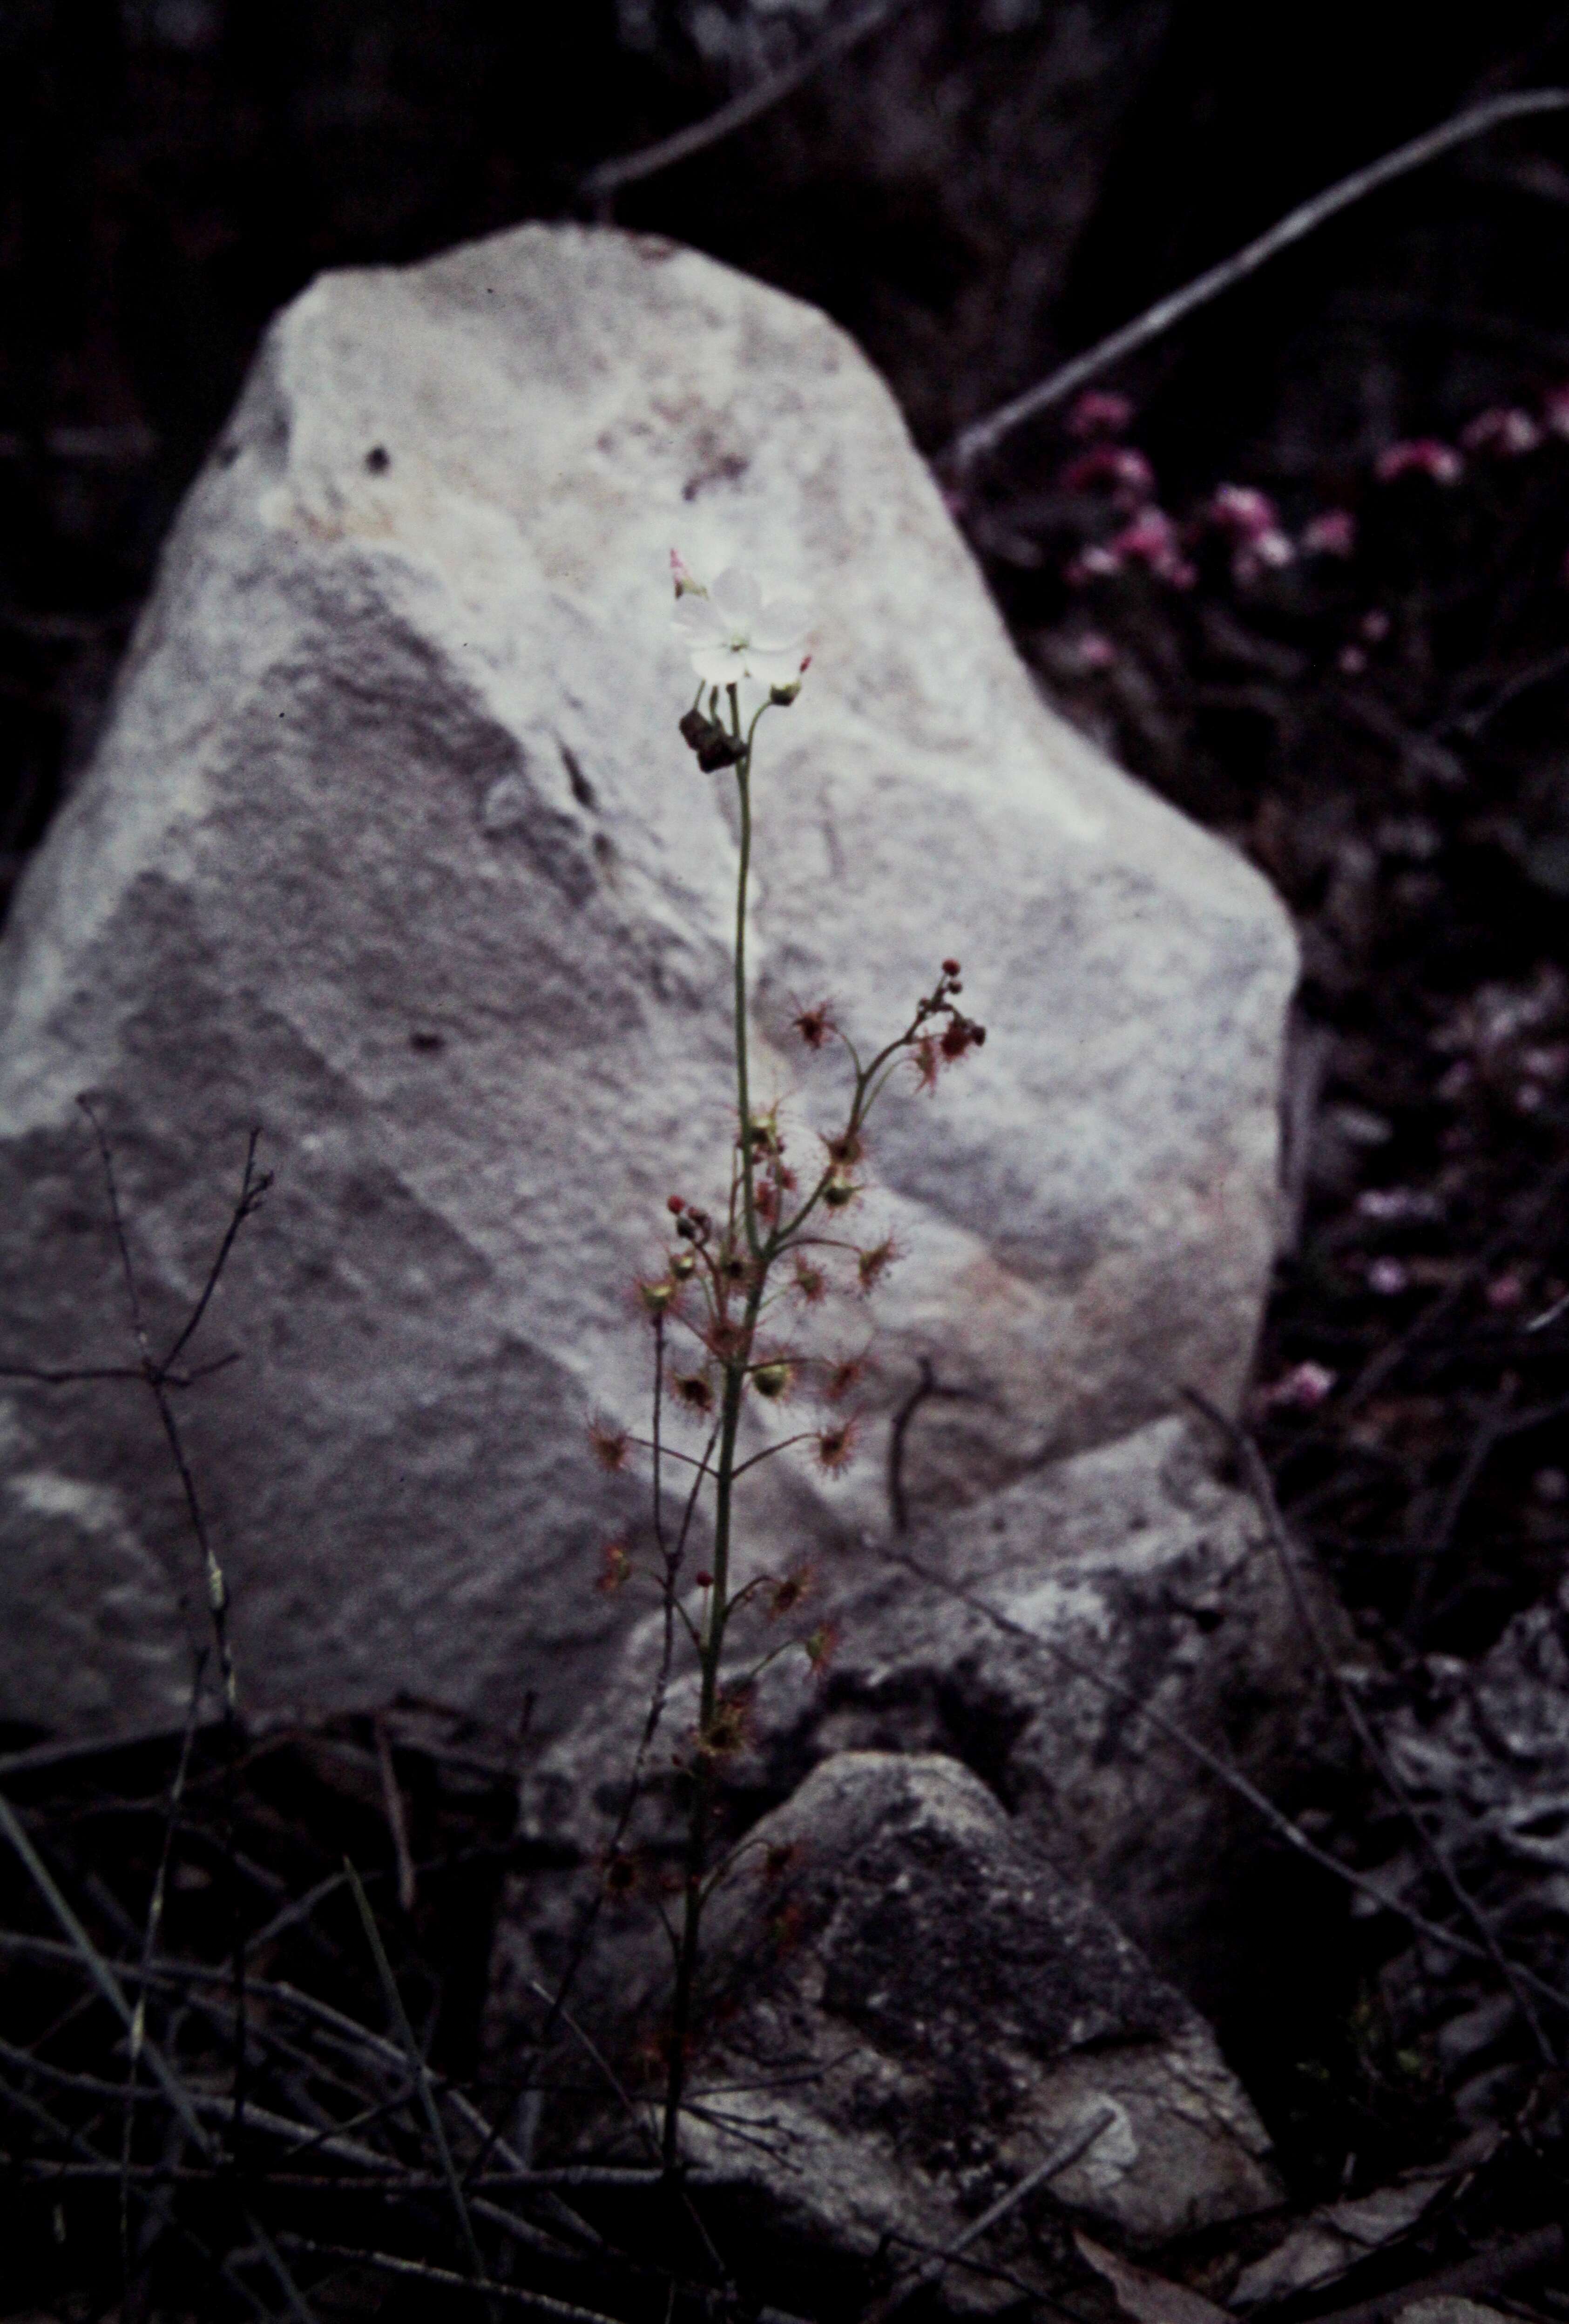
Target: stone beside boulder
point(918, 2011)
point(1141, 1580)
point(390, 848)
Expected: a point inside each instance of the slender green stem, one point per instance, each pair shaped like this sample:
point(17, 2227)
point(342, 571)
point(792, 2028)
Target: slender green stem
point(712, 1643)
point(743, 1083)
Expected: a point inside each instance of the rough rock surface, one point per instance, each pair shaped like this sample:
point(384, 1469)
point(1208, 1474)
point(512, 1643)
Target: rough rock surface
point(918, 2012)
point(1145, 1582)
point(1482, 1750)
point(392, 847)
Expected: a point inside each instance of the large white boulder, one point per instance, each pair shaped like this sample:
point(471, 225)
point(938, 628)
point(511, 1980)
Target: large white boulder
point(391, 848)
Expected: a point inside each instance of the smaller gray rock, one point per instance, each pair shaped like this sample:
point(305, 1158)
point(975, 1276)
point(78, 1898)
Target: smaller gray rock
point(1130, 1578)
point(916, 2011)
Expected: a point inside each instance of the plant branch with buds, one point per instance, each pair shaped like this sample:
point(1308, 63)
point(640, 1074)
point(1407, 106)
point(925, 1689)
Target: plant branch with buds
point(727, 1274)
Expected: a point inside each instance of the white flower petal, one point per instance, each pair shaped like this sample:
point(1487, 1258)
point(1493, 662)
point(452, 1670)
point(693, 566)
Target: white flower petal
point(771, 669)
point(698, 621)
point(717, 665)
point(738, 596)
point(782, 624)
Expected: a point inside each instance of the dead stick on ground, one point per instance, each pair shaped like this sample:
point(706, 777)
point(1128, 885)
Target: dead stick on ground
point(981, 437)
point(397, 1823)
point(1487, 2271)
point(1066, 2152)
point(420, 2072)
point(391, 2263)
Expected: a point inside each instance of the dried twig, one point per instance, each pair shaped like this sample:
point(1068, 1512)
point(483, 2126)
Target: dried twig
point(607, 178)
point(149, 1946)
point(1486, 2270)
point(159, 1374)
point(169, 2082)
point(976, 442)
point(1067, 2151)
point(397, 1822)
point(394, 2263)
point(420, 2072)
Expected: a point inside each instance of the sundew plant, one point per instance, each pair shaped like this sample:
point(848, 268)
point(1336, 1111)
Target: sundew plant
point(730, 1300)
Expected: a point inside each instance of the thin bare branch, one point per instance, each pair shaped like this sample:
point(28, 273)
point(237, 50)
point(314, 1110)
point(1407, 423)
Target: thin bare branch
point(391, 2263)
point(254, 1185)
point(598, 184)
point(978, 441)
point(396, 1822)
point(420, 2073)
point(1067, 2151)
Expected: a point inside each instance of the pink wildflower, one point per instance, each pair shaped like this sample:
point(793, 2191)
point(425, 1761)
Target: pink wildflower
point(1301, 1389)
point(1093, 650)
point(1151, 539)
point(1099, 413)
point(1386, 1203)
point(1351, 661)
point(1095, 563)
point(1115, 467)
point(1504, 431)
point(1505, 1292)
point(1332, 533)
point(1267, 552)
point(1555, 410)
point(1421, 456)
point(1388, 1278)
point(1242, 513)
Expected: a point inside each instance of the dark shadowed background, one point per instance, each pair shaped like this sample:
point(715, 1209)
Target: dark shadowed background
point(978, 188)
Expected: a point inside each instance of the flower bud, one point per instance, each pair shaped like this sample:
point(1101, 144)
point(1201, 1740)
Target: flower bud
point(772, 1380)
point(838, 1192)
point(718, 749)
point(683, 1265)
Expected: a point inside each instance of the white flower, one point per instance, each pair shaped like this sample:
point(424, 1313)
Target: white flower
point(731, 633)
